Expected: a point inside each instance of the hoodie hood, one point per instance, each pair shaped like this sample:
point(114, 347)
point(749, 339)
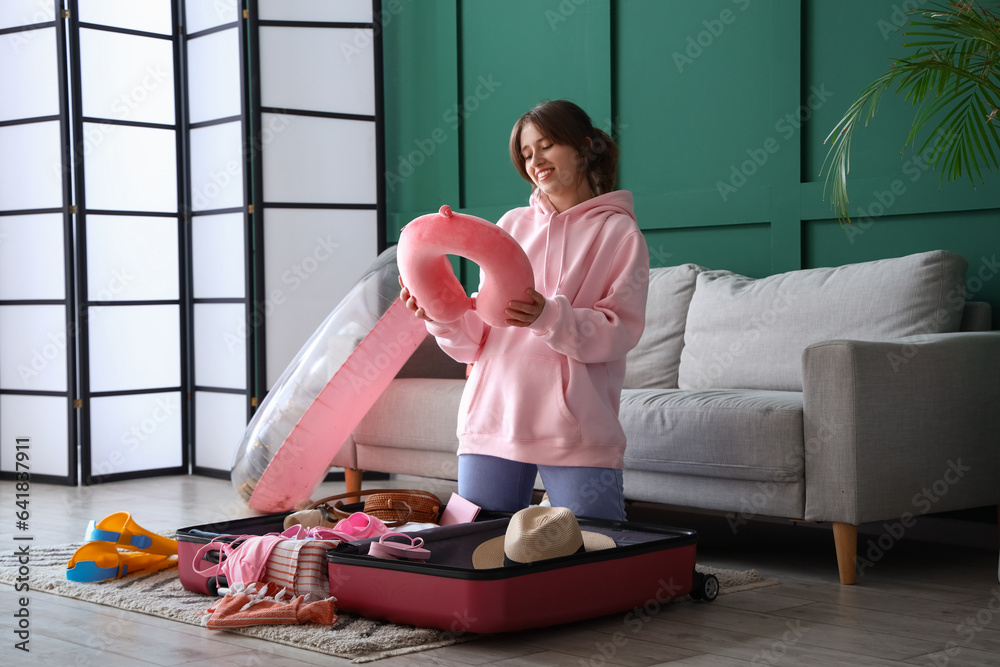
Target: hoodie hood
point(617, 201)
point(569, 235)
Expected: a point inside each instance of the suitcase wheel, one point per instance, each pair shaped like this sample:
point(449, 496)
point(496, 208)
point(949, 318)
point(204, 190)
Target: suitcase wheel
point(704, 587)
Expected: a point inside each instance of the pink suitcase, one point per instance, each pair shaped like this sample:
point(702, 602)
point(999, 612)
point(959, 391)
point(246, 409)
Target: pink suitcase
point(649, 566)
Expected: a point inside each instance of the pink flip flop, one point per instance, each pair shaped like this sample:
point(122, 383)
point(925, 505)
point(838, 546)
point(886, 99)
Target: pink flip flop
point(399, 550)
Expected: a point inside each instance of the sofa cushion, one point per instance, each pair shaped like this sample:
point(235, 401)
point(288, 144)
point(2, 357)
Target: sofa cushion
point(724, 433)
point(746, 333)
point(655, 360)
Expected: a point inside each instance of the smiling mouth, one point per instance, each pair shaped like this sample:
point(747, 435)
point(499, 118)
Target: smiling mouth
point(543, 174)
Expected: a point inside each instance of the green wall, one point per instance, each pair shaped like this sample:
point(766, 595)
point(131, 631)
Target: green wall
point(720, 107)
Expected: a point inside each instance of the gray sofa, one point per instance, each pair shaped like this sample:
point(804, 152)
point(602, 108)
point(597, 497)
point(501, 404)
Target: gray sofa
point(851, 394)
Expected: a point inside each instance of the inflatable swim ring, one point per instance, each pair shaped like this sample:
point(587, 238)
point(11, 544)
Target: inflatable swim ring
point(353, 356)
point(423, 248)
point(323, 394)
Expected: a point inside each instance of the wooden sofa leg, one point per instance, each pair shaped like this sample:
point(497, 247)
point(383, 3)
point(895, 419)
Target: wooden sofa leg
point(352, 479)
point(845, 538)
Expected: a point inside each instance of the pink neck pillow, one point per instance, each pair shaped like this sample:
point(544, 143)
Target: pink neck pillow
point(427, 273)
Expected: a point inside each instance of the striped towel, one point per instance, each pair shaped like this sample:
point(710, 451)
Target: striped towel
point(300, 566)
point(250, 604)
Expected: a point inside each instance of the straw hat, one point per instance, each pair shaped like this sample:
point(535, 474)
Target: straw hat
point(538, 533)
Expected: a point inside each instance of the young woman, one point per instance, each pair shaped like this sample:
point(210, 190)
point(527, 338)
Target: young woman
point(544, 392)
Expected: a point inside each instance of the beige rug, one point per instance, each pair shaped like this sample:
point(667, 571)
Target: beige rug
point(158, 592)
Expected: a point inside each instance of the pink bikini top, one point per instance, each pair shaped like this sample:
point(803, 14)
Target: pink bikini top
point(243, 563)
point(248, 560)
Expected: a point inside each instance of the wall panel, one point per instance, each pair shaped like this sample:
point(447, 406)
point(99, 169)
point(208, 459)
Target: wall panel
point(721, 108)
point(671, 116)
point(421, 146)
point(554, 53)
point(744, 249)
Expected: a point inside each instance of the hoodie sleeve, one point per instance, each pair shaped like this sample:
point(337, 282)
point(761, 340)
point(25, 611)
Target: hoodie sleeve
point(610, 328)
point(462, 339)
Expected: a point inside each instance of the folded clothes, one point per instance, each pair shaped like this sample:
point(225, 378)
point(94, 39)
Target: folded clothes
point(249, 604)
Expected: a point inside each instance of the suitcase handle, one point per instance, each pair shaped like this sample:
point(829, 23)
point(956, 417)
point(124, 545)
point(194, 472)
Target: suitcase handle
point(215, 552)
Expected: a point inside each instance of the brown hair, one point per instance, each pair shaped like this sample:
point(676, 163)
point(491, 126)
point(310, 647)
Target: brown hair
point(563, 122)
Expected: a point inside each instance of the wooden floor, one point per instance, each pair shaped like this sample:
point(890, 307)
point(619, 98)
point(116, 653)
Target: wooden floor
point(917, 603)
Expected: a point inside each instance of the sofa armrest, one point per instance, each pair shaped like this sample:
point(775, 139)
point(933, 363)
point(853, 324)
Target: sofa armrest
point(906, 426)
point(347, 455)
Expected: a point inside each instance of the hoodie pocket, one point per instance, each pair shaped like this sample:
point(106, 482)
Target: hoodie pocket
point(520, 398)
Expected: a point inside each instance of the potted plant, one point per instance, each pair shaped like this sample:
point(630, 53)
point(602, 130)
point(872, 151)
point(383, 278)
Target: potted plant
point(953, 77)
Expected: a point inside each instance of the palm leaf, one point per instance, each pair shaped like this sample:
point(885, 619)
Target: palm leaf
point(953, 78)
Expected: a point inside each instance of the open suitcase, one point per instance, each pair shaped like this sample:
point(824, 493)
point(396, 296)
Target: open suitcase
point(648, 566)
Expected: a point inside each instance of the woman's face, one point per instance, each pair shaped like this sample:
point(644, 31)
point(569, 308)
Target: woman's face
point(556, 169)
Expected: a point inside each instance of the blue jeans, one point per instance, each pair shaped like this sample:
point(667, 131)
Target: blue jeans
point(505, 486)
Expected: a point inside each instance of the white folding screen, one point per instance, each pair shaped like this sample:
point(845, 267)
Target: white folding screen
point(37, 356)
point(221, 328)
point(128, 142)
point(320, 143)
point(177, 179)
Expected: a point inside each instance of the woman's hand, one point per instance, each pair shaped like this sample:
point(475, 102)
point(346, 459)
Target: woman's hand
point(524, 313)
point(411, 302)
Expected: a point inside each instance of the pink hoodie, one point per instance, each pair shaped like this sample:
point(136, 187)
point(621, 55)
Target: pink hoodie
point(549, 393)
